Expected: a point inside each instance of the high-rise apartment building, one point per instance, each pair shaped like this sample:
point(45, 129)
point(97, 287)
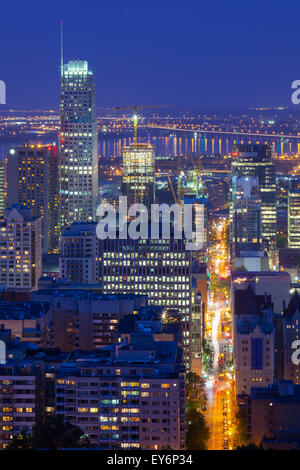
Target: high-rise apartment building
point(78, 140)
point(246, 211)
point(255, 161)
point(2, 187)
point(138, 174)
point(21, 399)
point(31, 175)
point(294, 213)
point(130, 396)
point(20, 249)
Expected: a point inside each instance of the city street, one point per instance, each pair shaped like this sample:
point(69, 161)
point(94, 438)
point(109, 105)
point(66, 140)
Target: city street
point(219, 385)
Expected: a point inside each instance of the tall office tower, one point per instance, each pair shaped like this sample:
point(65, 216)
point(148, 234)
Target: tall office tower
point(294, 213)
point(198, 308)
point(78, 152)
point(2, 187)
point(32, 180)
point(20, 249)
point(255, 161)
point(138, 174)
point(159, 268)
point(246, 211)
point(191, 190)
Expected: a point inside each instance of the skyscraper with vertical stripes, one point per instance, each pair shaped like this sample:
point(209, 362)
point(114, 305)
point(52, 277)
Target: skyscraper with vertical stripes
point(78, 152)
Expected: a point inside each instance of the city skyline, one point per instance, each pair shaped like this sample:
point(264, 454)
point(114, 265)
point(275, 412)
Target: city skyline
point(150, 262)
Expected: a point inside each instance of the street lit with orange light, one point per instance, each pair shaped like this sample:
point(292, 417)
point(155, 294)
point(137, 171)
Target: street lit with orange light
point(219, 383)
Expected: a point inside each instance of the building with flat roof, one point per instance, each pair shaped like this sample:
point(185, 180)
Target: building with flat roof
point(294, 213)
point(127, 396)
point(20, 249)
point(79, 259)
point(21, 399)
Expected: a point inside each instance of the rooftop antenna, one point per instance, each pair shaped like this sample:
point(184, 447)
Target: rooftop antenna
point(61, 48)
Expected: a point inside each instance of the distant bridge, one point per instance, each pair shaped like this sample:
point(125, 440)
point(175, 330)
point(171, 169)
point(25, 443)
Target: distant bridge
point(230, 133)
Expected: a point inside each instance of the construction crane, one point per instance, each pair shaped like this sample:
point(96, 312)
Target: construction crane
point(135, 109)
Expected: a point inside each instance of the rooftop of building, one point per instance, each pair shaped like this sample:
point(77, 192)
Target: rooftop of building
point(79, 291)
point(164, 358)
point(254, 274)
point(75, 229)
point(285, 391)
point(148, 320)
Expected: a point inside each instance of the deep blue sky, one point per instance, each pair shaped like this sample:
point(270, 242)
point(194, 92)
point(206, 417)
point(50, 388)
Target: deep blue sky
point(201, 53)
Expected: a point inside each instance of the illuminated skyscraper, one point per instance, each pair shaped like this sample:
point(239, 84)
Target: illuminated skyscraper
point(31, 175)
point(138, 173)
point(246, 211)
point(78, 153)
point(255, 161)
point(2, 187)
point(294, 214)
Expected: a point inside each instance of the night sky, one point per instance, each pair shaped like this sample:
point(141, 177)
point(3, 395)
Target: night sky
point(203, 54)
